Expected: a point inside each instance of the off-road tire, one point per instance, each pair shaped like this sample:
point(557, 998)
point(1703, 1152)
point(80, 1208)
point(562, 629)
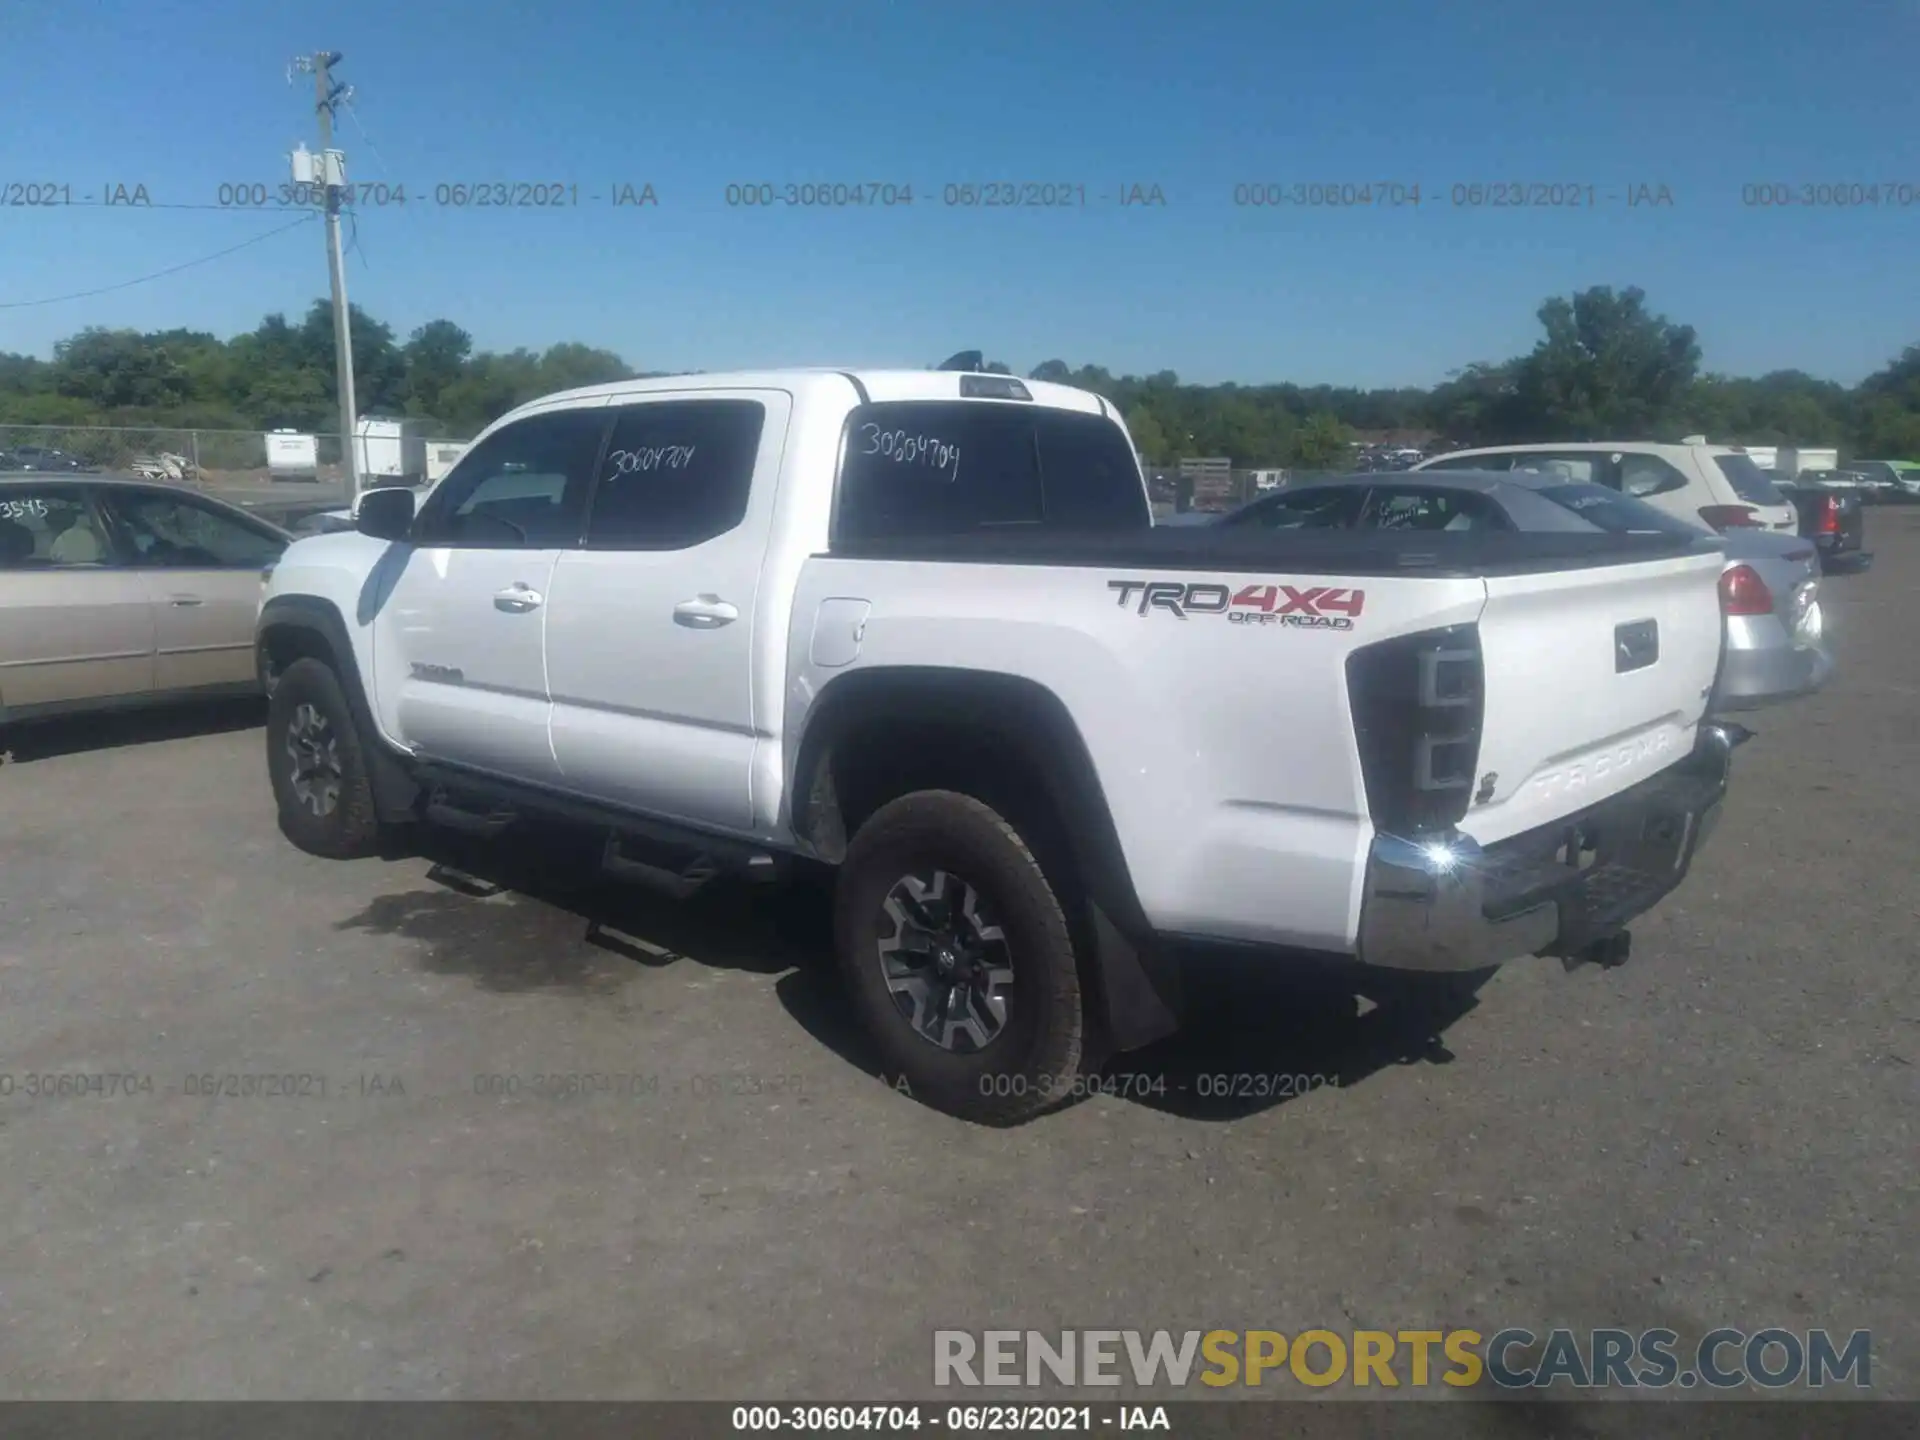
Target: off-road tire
point(351, 828)
point(1036, 1060)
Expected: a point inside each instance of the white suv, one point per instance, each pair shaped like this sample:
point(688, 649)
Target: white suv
point(1718, 486)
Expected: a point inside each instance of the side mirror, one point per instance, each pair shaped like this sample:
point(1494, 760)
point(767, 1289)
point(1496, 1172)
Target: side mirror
point(385, 514)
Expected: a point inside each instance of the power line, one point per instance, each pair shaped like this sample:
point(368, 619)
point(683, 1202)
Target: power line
point(353, 114)
point(156, 275)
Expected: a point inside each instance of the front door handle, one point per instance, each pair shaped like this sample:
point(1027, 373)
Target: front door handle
point(182, 601)
point(704, 612)
point(518, 598)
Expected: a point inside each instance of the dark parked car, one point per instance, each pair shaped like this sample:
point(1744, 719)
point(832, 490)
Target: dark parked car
point(39, 457)
point(1834, 517)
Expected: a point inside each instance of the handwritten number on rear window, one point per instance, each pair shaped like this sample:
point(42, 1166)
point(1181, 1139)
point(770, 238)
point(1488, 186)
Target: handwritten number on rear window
point(904, 447)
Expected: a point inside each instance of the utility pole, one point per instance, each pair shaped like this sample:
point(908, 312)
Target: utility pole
point(331, 175)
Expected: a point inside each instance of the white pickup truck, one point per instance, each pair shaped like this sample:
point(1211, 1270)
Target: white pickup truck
point(919, 626)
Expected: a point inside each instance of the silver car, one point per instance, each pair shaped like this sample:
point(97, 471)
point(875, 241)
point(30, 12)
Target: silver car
point(124, 592)
point(1776, 645)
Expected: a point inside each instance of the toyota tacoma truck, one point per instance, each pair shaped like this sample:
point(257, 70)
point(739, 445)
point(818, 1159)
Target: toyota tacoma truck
point(919, 627)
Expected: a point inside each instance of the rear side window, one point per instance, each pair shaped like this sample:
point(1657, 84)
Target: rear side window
point(1471, 462)
point(943, 467)
point(1749, 481)
point(1644, 475)
point(1331, 508)
point(675, 473)
point(1615, 513)
point(1582, 469)
point(1410, 509)
point(41, 529)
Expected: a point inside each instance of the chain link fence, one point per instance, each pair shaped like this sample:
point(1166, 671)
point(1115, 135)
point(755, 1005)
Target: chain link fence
point(211, 457)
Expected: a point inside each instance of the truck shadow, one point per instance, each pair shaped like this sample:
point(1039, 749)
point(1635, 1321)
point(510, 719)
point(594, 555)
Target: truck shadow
point(530, 912)
point(23, 742)
point(1261, 1032)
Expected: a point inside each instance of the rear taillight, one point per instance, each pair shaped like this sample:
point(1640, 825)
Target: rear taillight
point(1829, 516)
point(1743, 592)
point(1729, 517)
point(1418, 701)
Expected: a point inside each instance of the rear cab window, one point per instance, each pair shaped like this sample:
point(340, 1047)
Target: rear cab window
point(1749, 481)
point(917, 468)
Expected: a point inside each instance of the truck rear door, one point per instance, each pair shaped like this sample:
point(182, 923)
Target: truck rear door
point(652, 624)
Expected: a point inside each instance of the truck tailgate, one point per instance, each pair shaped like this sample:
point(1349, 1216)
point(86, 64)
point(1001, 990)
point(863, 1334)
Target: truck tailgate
point(1595, 680)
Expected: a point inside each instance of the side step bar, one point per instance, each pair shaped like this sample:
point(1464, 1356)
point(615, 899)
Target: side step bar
point(697, 872)
point(678, 861)
point(443, 810)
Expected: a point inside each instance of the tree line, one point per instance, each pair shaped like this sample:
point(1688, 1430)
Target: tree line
point(1604, 367)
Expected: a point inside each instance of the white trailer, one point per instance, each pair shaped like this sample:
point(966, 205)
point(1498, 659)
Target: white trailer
point(390, 451)
point(1794, 459)
point(442, 455)
point(292, 456)
point(1767, 457)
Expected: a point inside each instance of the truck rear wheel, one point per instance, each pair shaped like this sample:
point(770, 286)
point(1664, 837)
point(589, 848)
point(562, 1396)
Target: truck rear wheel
point(959, 957)
point(316, 765)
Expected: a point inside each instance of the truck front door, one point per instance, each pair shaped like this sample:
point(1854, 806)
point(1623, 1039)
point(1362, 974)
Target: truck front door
point(460, 630)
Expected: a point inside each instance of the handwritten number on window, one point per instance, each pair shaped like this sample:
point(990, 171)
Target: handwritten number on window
point(903, 447)
point(649, 458)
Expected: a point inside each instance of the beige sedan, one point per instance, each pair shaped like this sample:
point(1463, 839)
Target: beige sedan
point(123, 592)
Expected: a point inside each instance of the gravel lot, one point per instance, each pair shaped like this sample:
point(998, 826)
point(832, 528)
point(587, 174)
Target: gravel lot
point(1720, 1133)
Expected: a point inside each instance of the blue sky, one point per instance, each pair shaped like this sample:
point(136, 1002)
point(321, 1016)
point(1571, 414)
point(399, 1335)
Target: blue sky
point(184, 95)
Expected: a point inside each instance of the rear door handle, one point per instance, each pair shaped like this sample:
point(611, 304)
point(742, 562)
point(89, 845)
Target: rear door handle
point(518, 598)
point(183, 601)
point(704, 612)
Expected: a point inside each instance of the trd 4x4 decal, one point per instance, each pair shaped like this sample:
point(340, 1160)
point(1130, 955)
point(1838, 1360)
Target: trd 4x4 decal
point(1315, 607)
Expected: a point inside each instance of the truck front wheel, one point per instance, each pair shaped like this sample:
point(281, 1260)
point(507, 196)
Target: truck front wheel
point(960, 959)
point(318, 770)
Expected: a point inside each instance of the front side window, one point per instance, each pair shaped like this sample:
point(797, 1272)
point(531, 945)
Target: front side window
point(179, 534)
point(675, 473)
point(48, 529)
point(523, 487)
